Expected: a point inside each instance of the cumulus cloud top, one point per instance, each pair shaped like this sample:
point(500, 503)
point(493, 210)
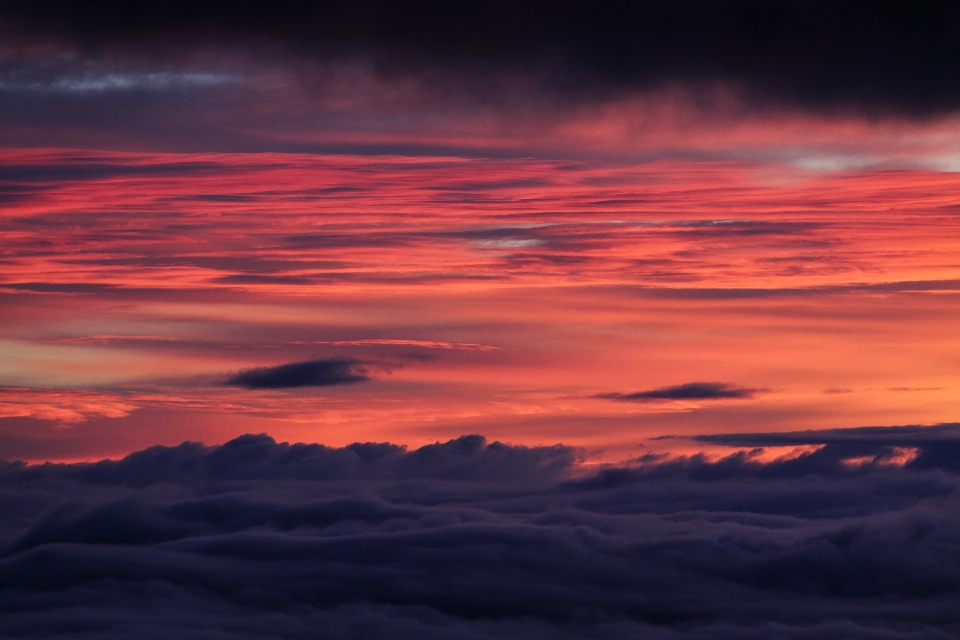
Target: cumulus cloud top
point(257, 539)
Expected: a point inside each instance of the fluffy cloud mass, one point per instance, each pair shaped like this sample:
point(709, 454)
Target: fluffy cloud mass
point(255, 539)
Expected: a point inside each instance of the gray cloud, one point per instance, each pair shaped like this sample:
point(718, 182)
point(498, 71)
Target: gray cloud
point(71, 83)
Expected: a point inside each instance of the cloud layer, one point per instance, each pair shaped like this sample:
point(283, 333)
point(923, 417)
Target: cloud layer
point(256, 539)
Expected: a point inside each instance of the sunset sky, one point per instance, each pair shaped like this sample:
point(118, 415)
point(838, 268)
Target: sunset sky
point(406, 228)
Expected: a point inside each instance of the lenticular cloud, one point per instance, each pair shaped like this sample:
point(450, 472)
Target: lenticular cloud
point(469, 539)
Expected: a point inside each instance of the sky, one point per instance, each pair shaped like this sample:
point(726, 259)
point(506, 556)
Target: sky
point(480, 320)
point(521, 230)
point(473, 220)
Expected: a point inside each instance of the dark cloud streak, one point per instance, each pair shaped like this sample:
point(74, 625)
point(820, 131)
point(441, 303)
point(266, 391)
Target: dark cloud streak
point(310, 373)
point(688, 391)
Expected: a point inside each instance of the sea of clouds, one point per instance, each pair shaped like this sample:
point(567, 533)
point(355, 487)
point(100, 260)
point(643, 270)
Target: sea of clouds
point(470, 539)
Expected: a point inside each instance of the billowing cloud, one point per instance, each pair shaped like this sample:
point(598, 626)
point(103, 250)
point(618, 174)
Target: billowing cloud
point(311, 373)
point(257, 539)
point(688, 391)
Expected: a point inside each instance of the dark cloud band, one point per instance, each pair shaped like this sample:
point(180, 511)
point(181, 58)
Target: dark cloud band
point(936, 446)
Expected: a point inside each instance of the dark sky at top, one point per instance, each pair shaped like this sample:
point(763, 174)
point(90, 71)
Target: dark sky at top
point(878, 58)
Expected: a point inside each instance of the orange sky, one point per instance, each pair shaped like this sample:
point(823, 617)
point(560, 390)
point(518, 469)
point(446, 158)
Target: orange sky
point(495, 296)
